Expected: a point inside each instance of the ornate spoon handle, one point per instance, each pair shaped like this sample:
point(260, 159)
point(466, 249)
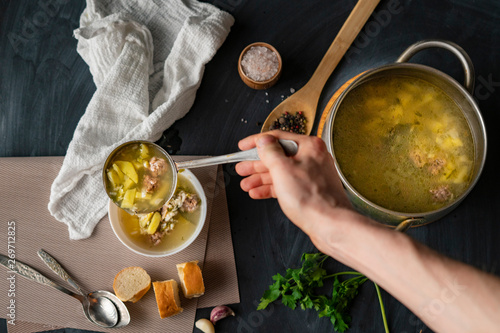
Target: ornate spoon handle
point(57, 268)
point(31, 274)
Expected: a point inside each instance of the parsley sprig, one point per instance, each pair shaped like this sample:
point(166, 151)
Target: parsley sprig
point(297, 288)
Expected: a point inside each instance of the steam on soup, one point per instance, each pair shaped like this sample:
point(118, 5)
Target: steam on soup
point(403, 144)
point(168, 227)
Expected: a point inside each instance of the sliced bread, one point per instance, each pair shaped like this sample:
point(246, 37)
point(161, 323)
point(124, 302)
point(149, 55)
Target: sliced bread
point(167, 298)
point(191, 279)
point(131, 284)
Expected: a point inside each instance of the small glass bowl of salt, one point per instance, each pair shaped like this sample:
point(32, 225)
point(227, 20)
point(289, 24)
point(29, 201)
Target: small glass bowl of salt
point(259, 65)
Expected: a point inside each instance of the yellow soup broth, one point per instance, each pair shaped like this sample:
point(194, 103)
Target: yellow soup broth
point(403, 144)
point(184, 228)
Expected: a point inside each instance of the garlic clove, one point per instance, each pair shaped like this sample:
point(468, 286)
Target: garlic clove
point(205, 325)
point(220, 312)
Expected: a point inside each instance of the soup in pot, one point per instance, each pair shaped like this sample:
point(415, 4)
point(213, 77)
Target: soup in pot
point(403, 144)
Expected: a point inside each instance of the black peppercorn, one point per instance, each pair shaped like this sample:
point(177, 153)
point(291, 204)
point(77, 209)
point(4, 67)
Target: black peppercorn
point(290, 123)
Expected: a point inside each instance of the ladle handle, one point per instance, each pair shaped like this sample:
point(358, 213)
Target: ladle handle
point(32, 274)
point(57, 268)
point(290, 147)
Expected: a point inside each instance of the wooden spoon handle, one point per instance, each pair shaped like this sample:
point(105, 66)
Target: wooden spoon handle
point(341, 43)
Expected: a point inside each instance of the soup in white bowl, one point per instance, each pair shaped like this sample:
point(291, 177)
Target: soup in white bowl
point(169, 229)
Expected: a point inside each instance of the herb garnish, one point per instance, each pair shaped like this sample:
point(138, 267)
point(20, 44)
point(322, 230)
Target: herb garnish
point(298, 286)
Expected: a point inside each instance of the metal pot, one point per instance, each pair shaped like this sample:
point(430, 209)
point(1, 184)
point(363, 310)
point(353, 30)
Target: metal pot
point(462, 97)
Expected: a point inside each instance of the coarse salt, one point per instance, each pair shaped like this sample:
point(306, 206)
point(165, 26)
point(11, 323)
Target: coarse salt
point(260, 63)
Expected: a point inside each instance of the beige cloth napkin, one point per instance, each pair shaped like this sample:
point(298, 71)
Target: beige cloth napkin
point(93, 262)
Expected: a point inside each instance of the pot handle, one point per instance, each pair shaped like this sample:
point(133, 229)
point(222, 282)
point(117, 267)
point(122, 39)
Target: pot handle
point(407, 224)
point(450, 46)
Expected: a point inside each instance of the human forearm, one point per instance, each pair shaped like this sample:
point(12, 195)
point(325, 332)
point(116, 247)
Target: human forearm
point(447, 295)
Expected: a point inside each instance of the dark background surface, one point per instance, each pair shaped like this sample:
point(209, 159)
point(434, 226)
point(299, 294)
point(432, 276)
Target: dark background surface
point(45, 87)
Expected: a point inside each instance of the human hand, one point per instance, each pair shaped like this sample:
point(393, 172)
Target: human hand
point(304, 184)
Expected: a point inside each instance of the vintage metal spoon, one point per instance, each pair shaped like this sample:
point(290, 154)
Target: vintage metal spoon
point(93, 301)
point(104, 308)
point(306, 99)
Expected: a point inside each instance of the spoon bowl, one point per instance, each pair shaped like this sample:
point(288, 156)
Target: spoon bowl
point(106, 300)
point(303, 100)
point(99, 309)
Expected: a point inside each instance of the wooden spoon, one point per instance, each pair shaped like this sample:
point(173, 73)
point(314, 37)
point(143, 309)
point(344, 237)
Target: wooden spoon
point(306, 99)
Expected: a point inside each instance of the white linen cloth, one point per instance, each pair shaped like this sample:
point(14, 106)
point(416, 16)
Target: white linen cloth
point(147, 59)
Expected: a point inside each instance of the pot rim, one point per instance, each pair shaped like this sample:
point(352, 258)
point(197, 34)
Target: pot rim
point(328, 130)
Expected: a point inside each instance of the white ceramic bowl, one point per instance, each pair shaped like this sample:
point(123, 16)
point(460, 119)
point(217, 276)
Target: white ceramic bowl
point(116, 223)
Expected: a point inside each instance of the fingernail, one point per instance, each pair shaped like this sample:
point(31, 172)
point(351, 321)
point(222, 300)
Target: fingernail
point(265, 140)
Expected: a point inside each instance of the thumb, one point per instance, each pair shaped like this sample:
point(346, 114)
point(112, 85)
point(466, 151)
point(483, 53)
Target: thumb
point(270, 151)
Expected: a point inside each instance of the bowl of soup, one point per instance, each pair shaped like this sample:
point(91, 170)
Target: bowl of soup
point(169, 229)
point(408, 141)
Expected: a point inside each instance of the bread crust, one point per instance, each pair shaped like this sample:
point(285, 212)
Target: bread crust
point(139, 295)
point(167, 298)
point(191, 279)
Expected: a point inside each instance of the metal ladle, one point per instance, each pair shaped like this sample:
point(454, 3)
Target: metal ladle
point(97, 306)
point(290, 147)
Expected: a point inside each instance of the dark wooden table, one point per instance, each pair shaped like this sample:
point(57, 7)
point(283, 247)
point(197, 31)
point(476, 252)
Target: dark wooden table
point(45, 87)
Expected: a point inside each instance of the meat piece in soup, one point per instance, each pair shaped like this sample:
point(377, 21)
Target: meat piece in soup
point(403, 144)
point(150, 183)
point(441, 194)
point(190, 204)
point(157, 166)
